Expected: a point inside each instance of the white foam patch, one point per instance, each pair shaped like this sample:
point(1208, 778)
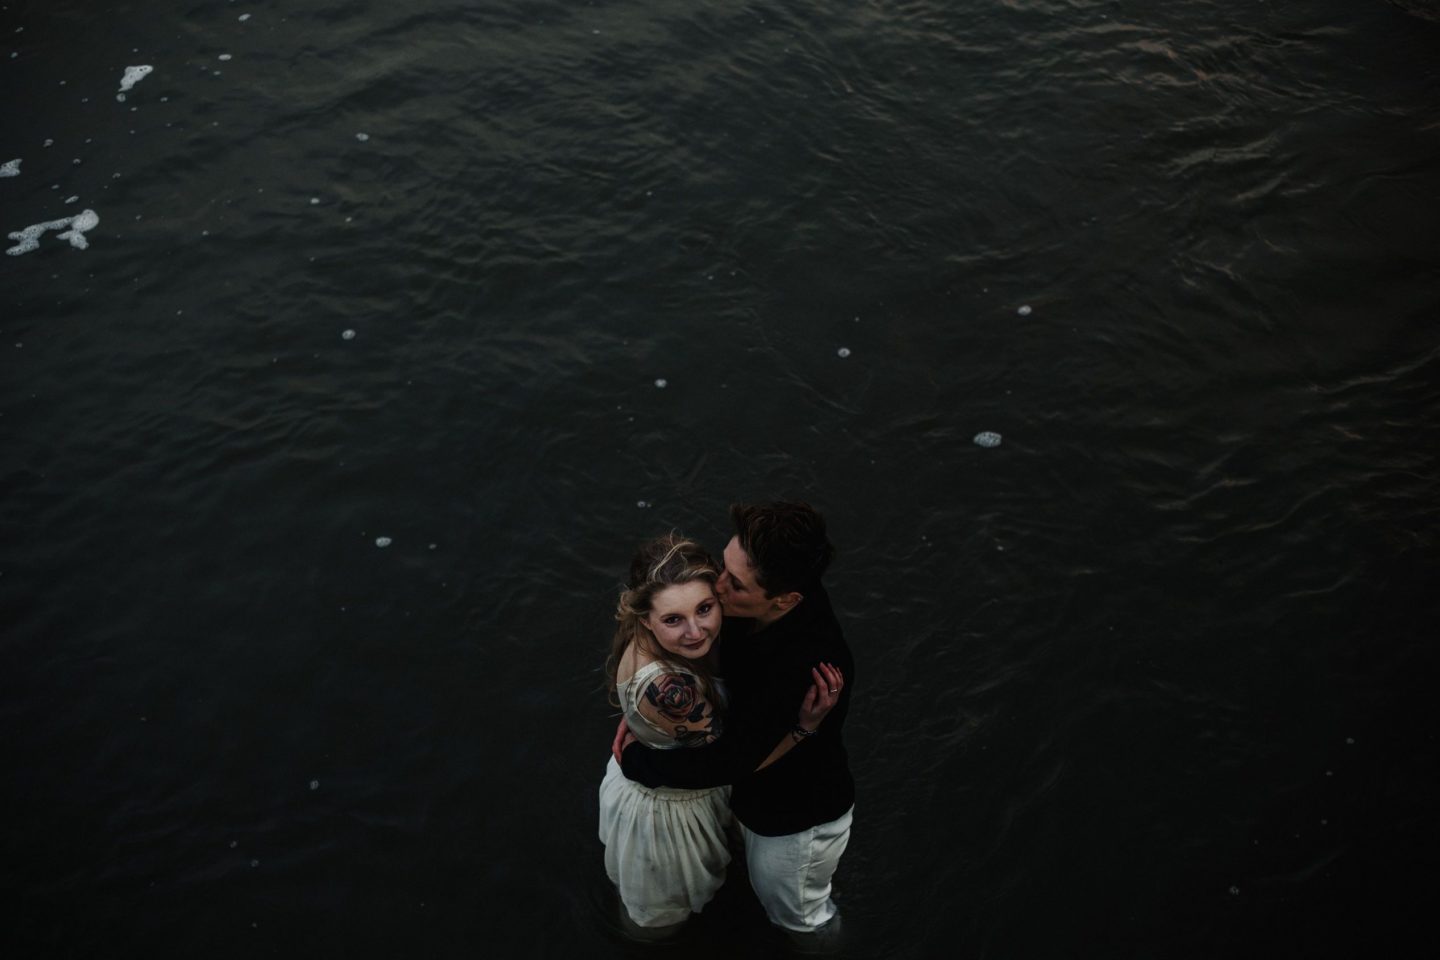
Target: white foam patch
point(133, 75)
point(987, 438)
point(30, 237)
point(11, 168)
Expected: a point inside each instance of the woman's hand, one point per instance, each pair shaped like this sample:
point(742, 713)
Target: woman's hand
point(821, 698)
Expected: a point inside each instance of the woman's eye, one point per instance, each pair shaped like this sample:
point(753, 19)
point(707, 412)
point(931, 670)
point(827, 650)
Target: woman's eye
point(706, 608)
point(670, 621)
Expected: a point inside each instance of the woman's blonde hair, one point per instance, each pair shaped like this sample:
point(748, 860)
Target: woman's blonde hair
point(665, 561)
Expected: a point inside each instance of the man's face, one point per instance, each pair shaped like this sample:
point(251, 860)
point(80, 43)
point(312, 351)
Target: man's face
point(739, 594)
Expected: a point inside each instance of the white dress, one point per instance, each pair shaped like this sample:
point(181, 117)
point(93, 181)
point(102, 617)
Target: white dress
point(664, 848)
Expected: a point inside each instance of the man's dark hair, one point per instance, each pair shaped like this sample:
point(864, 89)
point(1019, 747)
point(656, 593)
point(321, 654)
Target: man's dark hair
point(786, 544)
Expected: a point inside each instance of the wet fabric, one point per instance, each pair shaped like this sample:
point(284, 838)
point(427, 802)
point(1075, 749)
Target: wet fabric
point(664, 848)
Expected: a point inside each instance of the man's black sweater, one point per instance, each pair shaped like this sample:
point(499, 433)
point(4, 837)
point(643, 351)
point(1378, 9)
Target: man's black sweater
point(766, 673)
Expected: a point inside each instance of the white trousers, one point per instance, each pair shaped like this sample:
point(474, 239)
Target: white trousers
point(791, 873)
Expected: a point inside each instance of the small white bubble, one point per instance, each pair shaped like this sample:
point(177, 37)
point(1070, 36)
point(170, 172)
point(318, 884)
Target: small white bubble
point(224, 56)
point(1329, 773)
point(314, 201)
point(314, 784)
point(843, 352)
point(244, 17)
point(434, 545)
point(642, 504)
point(661, 382)
point(234, 844)
point(1234, 891)
point(348, 335)
point(72, 199)
point(254, 863)
point(1349, 739)
point(362, 137)
point(987, 438)
point(1024, 310)
point(383, 541)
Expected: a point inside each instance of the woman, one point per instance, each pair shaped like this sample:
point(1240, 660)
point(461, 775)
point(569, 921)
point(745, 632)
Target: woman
point(665, 848)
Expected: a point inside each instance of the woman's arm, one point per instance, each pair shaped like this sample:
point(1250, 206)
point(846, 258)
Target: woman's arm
point(819, 700)
point(673, 705)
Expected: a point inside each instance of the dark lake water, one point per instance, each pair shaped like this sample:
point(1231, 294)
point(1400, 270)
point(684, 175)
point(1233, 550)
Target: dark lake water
point(1153, 678)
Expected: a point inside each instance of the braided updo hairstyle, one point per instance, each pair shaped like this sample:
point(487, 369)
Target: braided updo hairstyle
point(665, 561)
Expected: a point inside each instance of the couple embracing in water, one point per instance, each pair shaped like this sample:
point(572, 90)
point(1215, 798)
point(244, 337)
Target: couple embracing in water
point(741, 722)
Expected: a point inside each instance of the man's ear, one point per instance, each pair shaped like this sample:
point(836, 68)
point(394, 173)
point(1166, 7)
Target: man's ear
point(786, 602)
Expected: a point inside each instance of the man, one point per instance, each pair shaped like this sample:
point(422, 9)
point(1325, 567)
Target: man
point(795, 814)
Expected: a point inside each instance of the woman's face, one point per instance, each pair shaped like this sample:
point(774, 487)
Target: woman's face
point(685, 619)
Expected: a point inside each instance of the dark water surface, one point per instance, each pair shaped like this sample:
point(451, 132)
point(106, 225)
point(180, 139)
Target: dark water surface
point(1153, 678)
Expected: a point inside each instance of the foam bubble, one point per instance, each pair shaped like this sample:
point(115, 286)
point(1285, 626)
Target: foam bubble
point(362, 137)
point(348, 335)
point(1024, 310)
point(662, 383)
point(987, 438)
point(224, 56)
point(11, 168)
point(133, 75)
point(843, 352)
point(30, 237)
point(243, 17)
point(383, 541)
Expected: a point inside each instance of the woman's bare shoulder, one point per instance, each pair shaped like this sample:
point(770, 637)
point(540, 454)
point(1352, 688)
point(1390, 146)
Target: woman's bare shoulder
point(672, 701)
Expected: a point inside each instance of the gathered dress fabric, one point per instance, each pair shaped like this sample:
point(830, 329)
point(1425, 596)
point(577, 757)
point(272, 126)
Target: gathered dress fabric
point(665, 849)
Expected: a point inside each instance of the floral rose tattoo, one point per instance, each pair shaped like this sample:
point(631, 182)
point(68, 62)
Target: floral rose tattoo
point(677, 699)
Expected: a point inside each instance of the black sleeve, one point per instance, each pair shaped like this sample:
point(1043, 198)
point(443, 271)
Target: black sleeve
point(744, 745)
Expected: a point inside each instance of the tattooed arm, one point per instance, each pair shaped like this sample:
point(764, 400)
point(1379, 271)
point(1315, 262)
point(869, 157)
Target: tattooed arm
point(672, 704)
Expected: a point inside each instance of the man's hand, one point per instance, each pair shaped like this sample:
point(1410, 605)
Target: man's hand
point(822, 696)
point(623, 739)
